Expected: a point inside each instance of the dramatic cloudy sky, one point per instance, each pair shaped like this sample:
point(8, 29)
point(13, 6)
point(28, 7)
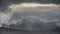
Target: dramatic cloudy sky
point(44, 13)
point(6, 3)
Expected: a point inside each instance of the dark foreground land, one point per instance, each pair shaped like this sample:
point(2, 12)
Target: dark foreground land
point(17, 31)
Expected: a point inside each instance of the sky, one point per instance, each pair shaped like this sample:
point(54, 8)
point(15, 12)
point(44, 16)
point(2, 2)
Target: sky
point(8, 7)
point(5, 3)
point(32, 13)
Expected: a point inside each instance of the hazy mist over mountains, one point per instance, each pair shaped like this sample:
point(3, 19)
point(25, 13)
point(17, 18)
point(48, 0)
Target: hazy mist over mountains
point(27, 17)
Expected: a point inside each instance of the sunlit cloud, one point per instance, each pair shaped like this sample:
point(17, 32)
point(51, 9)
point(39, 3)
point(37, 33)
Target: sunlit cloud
point(32, 5)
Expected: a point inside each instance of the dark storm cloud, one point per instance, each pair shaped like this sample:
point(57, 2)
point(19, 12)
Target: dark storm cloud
point(40, 1)
point(5, 3)
point(48, 1)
